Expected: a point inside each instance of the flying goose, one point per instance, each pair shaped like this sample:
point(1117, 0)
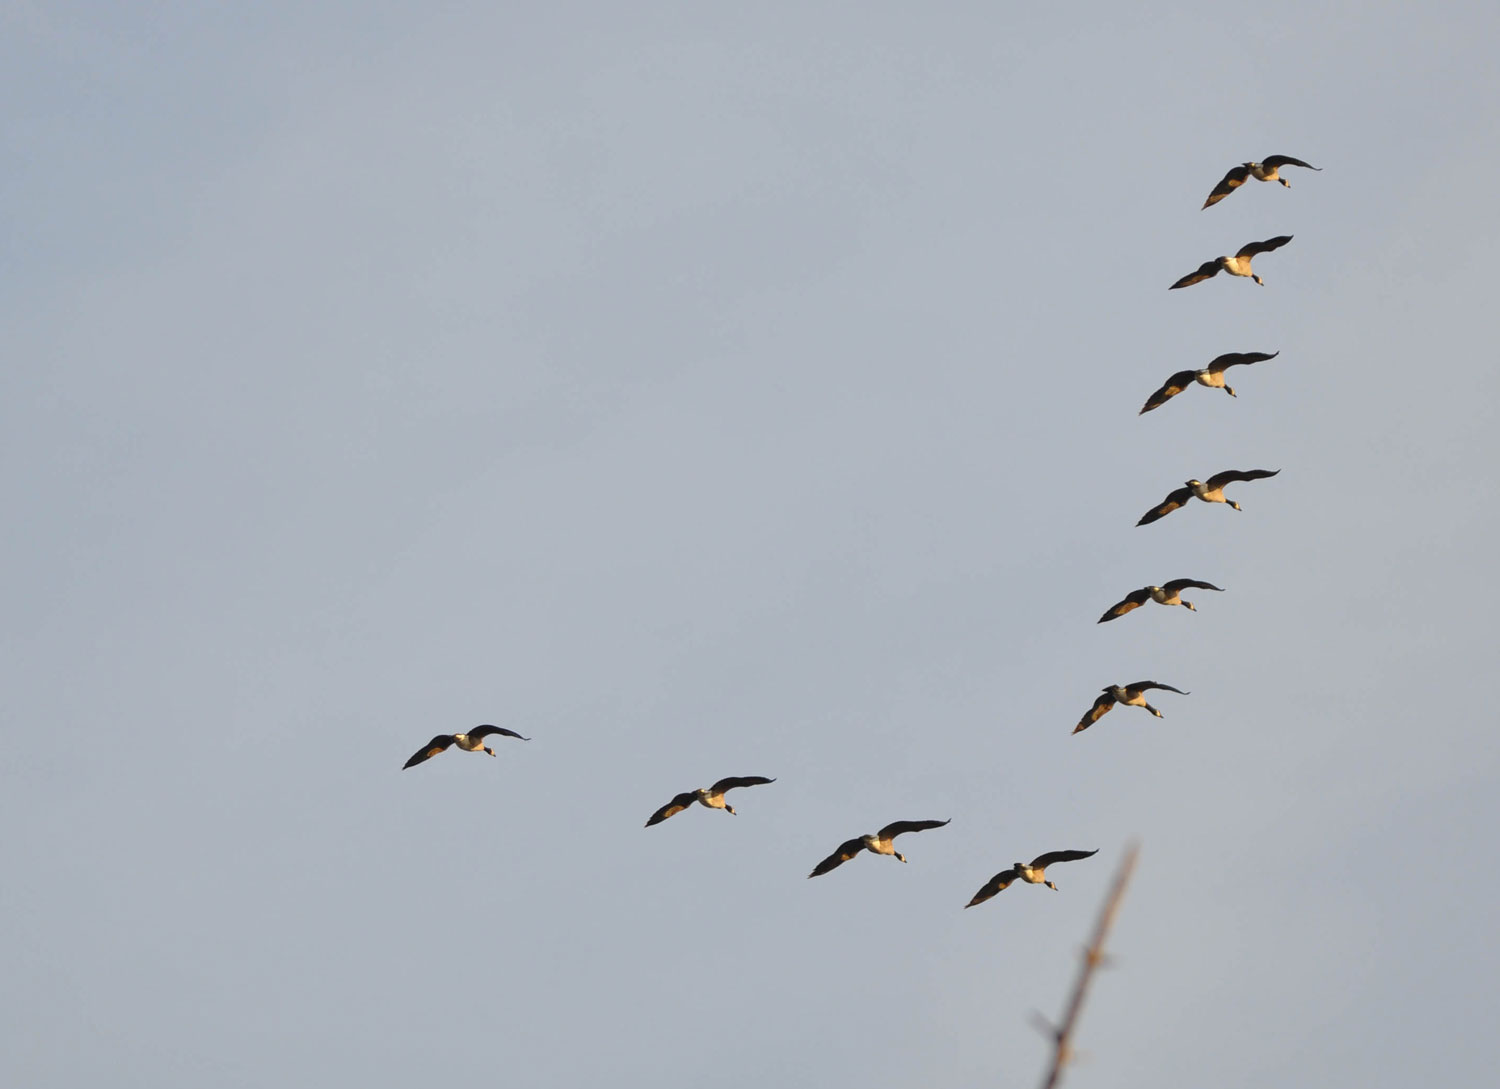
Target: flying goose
point(1168, 593)
point(880, 843)
point(1031, 874)
point(1210, 492)
point(1211, 376)
point(1132, 695)
point(1263, 171)
point(712, 796)
point(473, 741)
point(1238, 265)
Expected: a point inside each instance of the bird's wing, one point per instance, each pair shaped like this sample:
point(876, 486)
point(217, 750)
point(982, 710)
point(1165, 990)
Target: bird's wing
point(738, 781)
point(1101, 707)
point(1230, 182)
point(1184, 584)
point(429, 750)
point(1173, 500)
point(1237, 359)
point(1146, 686)
point(896, 828)
point(1250, 249)
point(1205, 270)
point(674, 807)
point(1276, 162)
point(1132, 601)
point(1229, 476)
point(847, 850)
point(994, 886)
point(1170, 388)
point(489, 731)
point(1043, 861)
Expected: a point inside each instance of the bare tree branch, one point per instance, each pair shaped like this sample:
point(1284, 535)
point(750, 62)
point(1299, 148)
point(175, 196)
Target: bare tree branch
point(1093, 956)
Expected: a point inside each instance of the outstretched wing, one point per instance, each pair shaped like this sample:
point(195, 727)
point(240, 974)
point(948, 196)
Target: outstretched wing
point(739, 781)
point(1102, 707)
point(994, 886)
point(1228, 184)
point(1132, 601)
point(1183, 584)
point(1276, 162)
point(1237, 359)
point(674, 807)
point(429, 750)
point(1146, 686)
point(1043, 861)
point(1229, 476)
point(1205, 270)
point(847, 850)
point(1171, 388)
point(488, 731)
point(897, 828)
point(1166, 506)
point(1250, 249)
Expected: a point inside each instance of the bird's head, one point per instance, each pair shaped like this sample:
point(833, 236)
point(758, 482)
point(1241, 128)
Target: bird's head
point(900, 857)
point(1050, 885)
point(1257, 279)
point(1233, 504)
point(1189, 606)
point(730, 810)
point(1230, 390)
point(489, 750)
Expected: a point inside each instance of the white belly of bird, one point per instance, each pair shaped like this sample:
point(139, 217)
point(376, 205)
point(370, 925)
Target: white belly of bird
point(467, 743)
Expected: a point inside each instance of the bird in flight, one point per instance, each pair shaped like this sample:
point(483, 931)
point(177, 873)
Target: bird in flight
point(711, 796)
point(879, 843)
point(1032, 874)
point(1238, 265)
point(1265, 171)
point(1168, 593)
point(473, 741)
point(1211, 376)
point(1210, 491)
point(1132, 695)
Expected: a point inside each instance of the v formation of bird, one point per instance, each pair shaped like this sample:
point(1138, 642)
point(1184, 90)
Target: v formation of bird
point(1168, 593)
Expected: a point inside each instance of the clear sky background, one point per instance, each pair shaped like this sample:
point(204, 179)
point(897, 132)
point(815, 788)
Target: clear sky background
point(706, 391)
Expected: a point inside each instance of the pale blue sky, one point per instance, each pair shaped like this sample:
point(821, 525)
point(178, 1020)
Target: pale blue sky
point(706, 392)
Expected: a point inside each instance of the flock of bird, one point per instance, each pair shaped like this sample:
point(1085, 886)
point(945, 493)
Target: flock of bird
point(1211, 490)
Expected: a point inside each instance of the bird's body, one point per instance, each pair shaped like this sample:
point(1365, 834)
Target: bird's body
point(1210, 491)
point(710, 796)
point(1131, 695)
point(1033, 873)
point(1262, 171)
point(1211, 376)
point(1169, 593)
point(473, 741)
point(1238, 265)
point(880, 843)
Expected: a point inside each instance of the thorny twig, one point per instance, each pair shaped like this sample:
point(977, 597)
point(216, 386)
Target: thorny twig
point(1093, 956)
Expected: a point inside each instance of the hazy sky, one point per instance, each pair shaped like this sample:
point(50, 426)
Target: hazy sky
point(714, 390)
